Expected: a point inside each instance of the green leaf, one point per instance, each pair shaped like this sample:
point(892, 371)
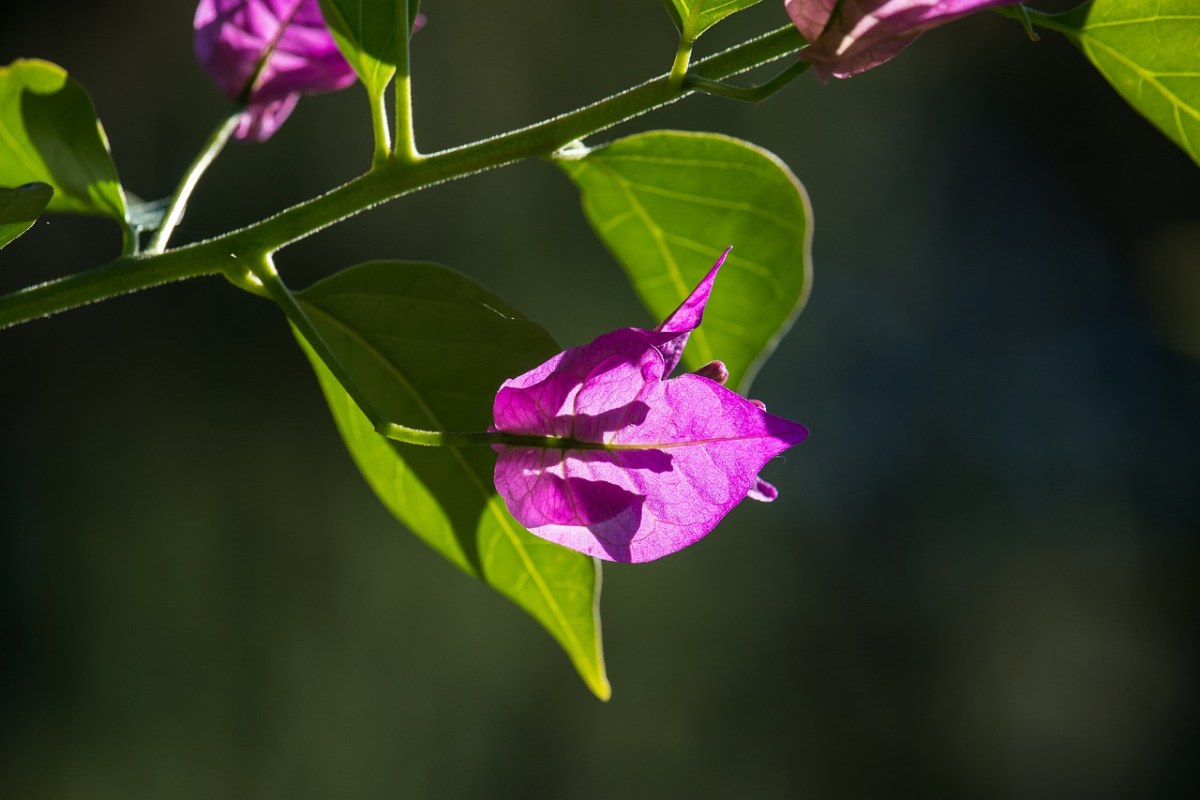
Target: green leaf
point(49, 133)
point(668, 203)
point(694, 17)
point(430, 348)
point(366, 33)
point(1149, 50)
point(20, 207)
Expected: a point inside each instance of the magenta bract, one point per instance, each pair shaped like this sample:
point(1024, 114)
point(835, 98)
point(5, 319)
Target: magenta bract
point(652, 464)
point(267, 53)
point(860, 34)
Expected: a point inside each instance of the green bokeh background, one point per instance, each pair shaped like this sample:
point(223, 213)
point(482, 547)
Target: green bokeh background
point(978, 579)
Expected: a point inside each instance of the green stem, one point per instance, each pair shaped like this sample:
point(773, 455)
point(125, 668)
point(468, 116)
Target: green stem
point(405, 148)
point(231, 251)
point(750, 94)
point(129, 237)
point(178, 205)
point(383, 136)
point(679, 67)
point(124, 275)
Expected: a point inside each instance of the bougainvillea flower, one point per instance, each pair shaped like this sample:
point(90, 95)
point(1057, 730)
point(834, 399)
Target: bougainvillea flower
point(642, 465)
point(851, 36)
point(266, 53)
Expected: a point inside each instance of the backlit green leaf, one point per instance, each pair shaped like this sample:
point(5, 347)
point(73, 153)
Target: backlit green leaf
point(20, 207)
point(366, 33)
point(430, 348)
point(694, 17)
point(1149, 50)
point(49, 133)
point(668, 203)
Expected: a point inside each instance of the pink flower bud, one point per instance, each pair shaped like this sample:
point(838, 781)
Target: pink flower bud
point(266, 53)
point(715, 371)
point(855, 35)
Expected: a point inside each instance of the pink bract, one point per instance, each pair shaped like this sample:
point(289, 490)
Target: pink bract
point(653, 463)
point(267, 53)
point(866, 33)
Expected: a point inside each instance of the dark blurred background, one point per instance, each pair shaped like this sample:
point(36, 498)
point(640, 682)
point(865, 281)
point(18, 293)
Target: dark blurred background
point(977, 581)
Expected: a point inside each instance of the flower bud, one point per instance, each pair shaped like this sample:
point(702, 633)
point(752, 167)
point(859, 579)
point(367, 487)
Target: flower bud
point(715, 371)
point(265, 54)
point(852, 36)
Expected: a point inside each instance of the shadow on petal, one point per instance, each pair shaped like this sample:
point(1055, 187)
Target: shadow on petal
point(615, 535)
point(592, 427)
point(582, 501)
point(656, 461)
point(610, 513)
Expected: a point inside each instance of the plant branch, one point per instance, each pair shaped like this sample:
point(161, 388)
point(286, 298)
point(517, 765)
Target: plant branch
point(124, 275)
point(221, 254)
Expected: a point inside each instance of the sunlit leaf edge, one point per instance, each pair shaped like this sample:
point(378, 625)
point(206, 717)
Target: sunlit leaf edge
point(114, 203)
point(25, 204)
